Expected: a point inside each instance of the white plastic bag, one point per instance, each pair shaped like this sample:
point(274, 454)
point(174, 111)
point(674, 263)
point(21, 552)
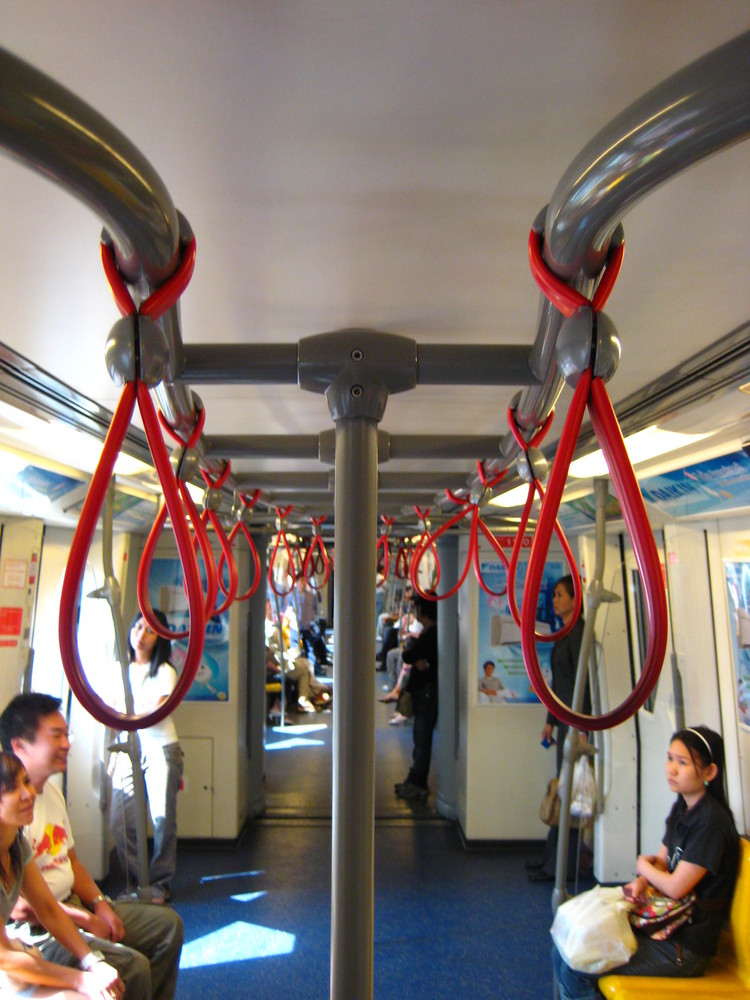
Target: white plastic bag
point(583, 791)
point(592, 931)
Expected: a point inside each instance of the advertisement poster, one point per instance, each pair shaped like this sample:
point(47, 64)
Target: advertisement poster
point(737, 576)
point(719, 484)
point(166, 592)
point(502, 677)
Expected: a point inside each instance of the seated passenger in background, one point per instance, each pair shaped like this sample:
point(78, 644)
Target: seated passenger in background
point(699, 853)
point(301, 671)
point(142, 941)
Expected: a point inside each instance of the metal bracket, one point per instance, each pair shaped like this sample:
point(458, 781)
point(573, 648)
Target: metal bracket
point(357, 369)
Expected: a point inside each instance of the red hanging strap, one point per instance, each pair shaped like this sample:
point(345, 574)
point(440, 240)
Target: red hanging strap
point(162, 298)
point(403, 559)
point(200, 540)
point(470, 509)
point(316, 558)
point(240, 526)
point(383, 552)
point(536, 487)
point(134, 392)
point(76, 565)
point(563, 297)
point(226, 549)
point(429, 545)
point(591, 392)
point(281, 538)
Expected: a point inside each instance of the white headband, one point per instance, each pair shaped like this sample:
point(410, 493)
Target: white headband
point(701, 737)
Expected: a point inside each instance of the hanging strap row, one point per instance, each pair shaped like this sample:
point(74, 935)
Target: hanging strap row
point(590, 392)
point(134, 391)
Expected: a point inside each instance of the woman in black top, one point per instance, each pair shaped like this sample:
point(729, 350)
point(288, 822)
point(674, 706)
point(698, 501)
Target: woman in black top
point(699, 853)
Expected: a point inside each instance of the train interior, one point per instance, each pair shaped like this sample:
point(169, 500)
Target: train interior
point(351, 381)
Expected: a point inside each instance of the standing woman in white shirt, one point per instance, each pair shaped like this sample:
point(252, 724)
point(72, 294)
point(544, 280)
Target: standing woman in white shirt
point(152, 680)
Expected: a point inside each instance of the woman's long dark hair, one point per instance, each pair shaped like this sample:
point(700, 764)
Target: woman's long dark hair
point(707, 747)
point(163, 648)
point(10, 768)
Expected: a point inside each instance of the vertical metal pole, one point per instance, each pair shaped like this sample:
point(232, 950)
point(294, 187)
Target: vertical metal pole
point(447, 744)
point(356, 399)
point(352, 902)
point(111, 592)
point(256, 685)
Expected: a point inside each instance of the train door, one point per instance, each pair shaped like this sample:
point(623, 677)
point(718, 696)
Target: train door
point(688, 690)
point(728, 551)
point(85, 781)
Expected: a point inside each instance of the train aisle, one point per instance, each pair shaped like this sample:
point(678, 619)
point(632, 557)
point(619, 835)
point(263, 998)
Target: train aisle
point(448, 922)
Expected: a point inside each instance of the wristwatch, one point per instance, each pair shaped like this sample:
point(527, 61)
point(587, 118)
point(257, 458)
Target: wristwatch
point(88, 962)
point(101, 898)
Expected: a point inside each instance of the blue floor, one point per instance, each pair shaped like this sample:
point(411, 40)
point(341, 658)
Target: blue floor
point(449, 923)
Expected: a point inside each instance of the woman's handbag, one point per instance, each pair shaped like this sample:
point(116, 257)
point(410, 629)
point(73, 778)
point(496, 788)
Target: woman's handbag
point(659, 916)
point(549, 811)
point(405, 705)
point(592, 932)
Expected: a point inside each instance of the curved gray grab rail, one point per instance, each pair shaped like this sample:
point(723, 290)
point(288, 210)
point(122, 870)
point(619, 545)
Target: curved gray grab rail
point(698, 111)
point(49, 128)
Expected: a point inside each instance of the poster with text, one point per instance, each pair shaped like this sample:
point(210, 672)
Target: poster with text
point(166, 592)
point(737, 576)
point(502, 677)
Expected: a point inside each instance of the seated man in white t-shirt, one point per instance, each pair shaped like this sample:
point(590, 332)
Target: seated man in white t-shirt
point(142, 941)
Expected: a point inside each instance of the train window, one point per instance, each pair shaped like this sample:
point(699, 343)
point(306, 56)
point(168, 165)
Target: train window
point(641, 631)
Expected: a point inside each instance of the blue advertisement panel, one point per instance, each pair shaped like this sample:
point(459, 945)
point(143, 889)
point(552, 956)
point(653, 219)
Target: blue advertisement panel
point(166, 592)
point(737, 575)
point(502, 677)
point(719, 484)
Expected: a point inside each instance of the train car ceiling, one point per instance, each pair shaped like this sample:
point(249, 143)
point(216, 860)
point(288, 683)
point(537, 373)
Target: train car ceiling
point(360, 176)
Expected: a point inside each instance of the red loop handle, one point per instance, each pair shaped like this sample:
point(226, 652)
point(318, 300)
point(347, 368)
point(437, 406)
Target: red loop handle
point(281, 536)
point(162, 298)
point(217, 484)
point(422, 547)
point(538, 435)
point(70, 596)
point(254, 557)
point(423, 515)
point(194, 434)
point(226, 556)
point(472, 558)
point(382, 559)
point(316, 558)
point(562, 296)
point(474, 545)
point(489, 484)
point(401, 569)
point(537, 487)
point(592, 391)
point(383, 552)
point(200, 538)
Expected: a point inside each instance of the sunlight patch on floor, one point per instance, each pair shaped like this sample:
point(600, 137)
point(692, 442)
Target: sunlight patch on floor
point(237, 942)
point(248, 897)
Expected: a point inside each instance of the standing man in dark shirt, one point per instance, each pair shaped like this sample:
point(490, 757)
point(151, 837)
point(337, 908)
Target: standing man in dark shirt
point(422, 653)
